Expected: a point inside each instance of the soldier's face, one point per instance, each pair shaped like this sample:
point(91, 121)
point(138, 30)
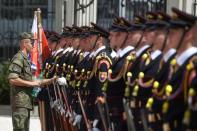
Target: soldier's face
point(114, 38)
point(148, 37)
point(159, 40)
point(194, 31)
point(75, 43)
point(62, 41)
point(52, 45)
point(92, 39)
point(134, 37)
point(28, 45)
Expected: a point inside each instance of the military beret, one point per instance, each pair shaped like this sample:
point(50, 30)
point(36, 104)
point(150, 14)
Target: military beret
point(99, 30)
point(26, 35)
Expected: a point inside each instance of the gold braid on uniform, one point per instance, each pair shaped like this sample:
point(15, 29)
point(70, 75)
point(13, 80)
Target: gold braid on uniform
point(123, 70)
point(146, 58)
point(54, 65)
point(191, 94)
point(159, 91)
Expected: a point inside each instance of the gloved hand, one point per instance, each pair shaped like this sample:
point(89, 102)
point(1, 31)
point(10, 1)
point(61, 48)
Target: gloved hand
point(77, 120)
point(68, 114)
point(95, 129)
point(94, 124)
point(46, 81)
point(62, 81)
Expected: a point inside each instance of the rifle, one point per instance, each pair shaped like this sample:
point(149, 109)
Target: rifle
point(88, 126)
point(61, 109)
point(130, 122)
point(107, 113)
point(69, 109)
point(143, 118)
point(100, 109)
point(52, 113)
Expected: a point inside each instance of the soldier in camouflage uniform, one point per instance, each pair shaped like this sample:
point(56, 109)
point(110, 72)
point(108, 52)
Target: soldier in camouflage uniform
point(20, 79)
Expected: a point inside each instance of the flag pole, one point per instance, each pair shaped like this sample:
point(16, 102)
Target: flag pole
point(41, 103)
point(39, 37)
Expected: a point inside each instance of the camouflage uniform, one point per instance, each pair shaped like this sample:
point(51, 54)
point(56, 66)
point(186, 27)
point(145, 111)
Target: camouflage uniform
point(21, 100)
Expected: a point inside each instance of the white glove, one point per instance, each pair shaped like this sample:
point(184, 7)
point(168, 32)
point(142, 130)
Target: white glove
point(95, 122)
point(77, 120)
point(95, 129)
point(62, 81)
point(68, 114)
point(62, 111)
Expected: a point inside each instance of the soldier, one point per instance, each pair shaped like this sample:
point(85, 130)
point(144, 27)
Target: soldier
point(20, 79)
point(115, 90)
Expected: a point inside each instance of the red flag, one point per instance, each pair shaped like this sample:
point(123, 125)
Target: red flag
point(45, 48)
point(41, 50)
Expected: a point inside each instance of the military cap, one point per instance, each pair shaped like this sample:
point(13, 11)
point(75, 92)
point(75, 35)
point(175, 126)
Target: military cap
point(47, 33)
point(66, 31)
point(85, 31)
point(76, 31)
point(182, 19)
point(55, 37)
point(163, 19)
point(138, 23)
point(120, 24)
point(99, 30)
point(26, 35)
point(151, 18)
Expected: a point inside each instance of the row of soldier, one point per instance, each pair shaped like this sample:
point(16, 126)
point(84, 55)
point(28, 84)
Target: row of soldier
point(139, 75)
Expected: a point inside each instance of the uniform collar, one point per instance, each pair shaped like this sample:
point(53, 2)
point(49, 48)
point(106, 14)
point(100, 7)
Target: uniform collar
point(141, 50)
point(113, 54)
point(186, 55)
point(24, 55)
point(168, 54)
point(86, 53)
point(71, 49)
point(125, 50)
point(98, 50)
point(58, 51)
point(91, 54)
point(78, 51)
point(66, 50)
point(155, 54)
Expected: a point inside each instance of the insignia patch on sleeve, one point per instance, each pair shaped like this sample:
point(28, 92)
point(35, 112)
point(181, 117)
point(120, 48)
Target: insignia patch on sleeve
point(102, 76)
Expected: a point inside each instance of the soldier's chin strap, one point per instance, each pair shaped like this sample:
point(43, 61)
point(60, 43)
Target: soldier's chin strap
point(95, 42)
point(125, 39)
point(181, 39)
point(165, 39)
point(57, 44)
point(138, 43)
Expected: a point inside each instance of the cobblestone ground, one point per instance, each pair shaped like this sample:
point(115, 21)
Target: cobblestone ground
point(6, 120)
